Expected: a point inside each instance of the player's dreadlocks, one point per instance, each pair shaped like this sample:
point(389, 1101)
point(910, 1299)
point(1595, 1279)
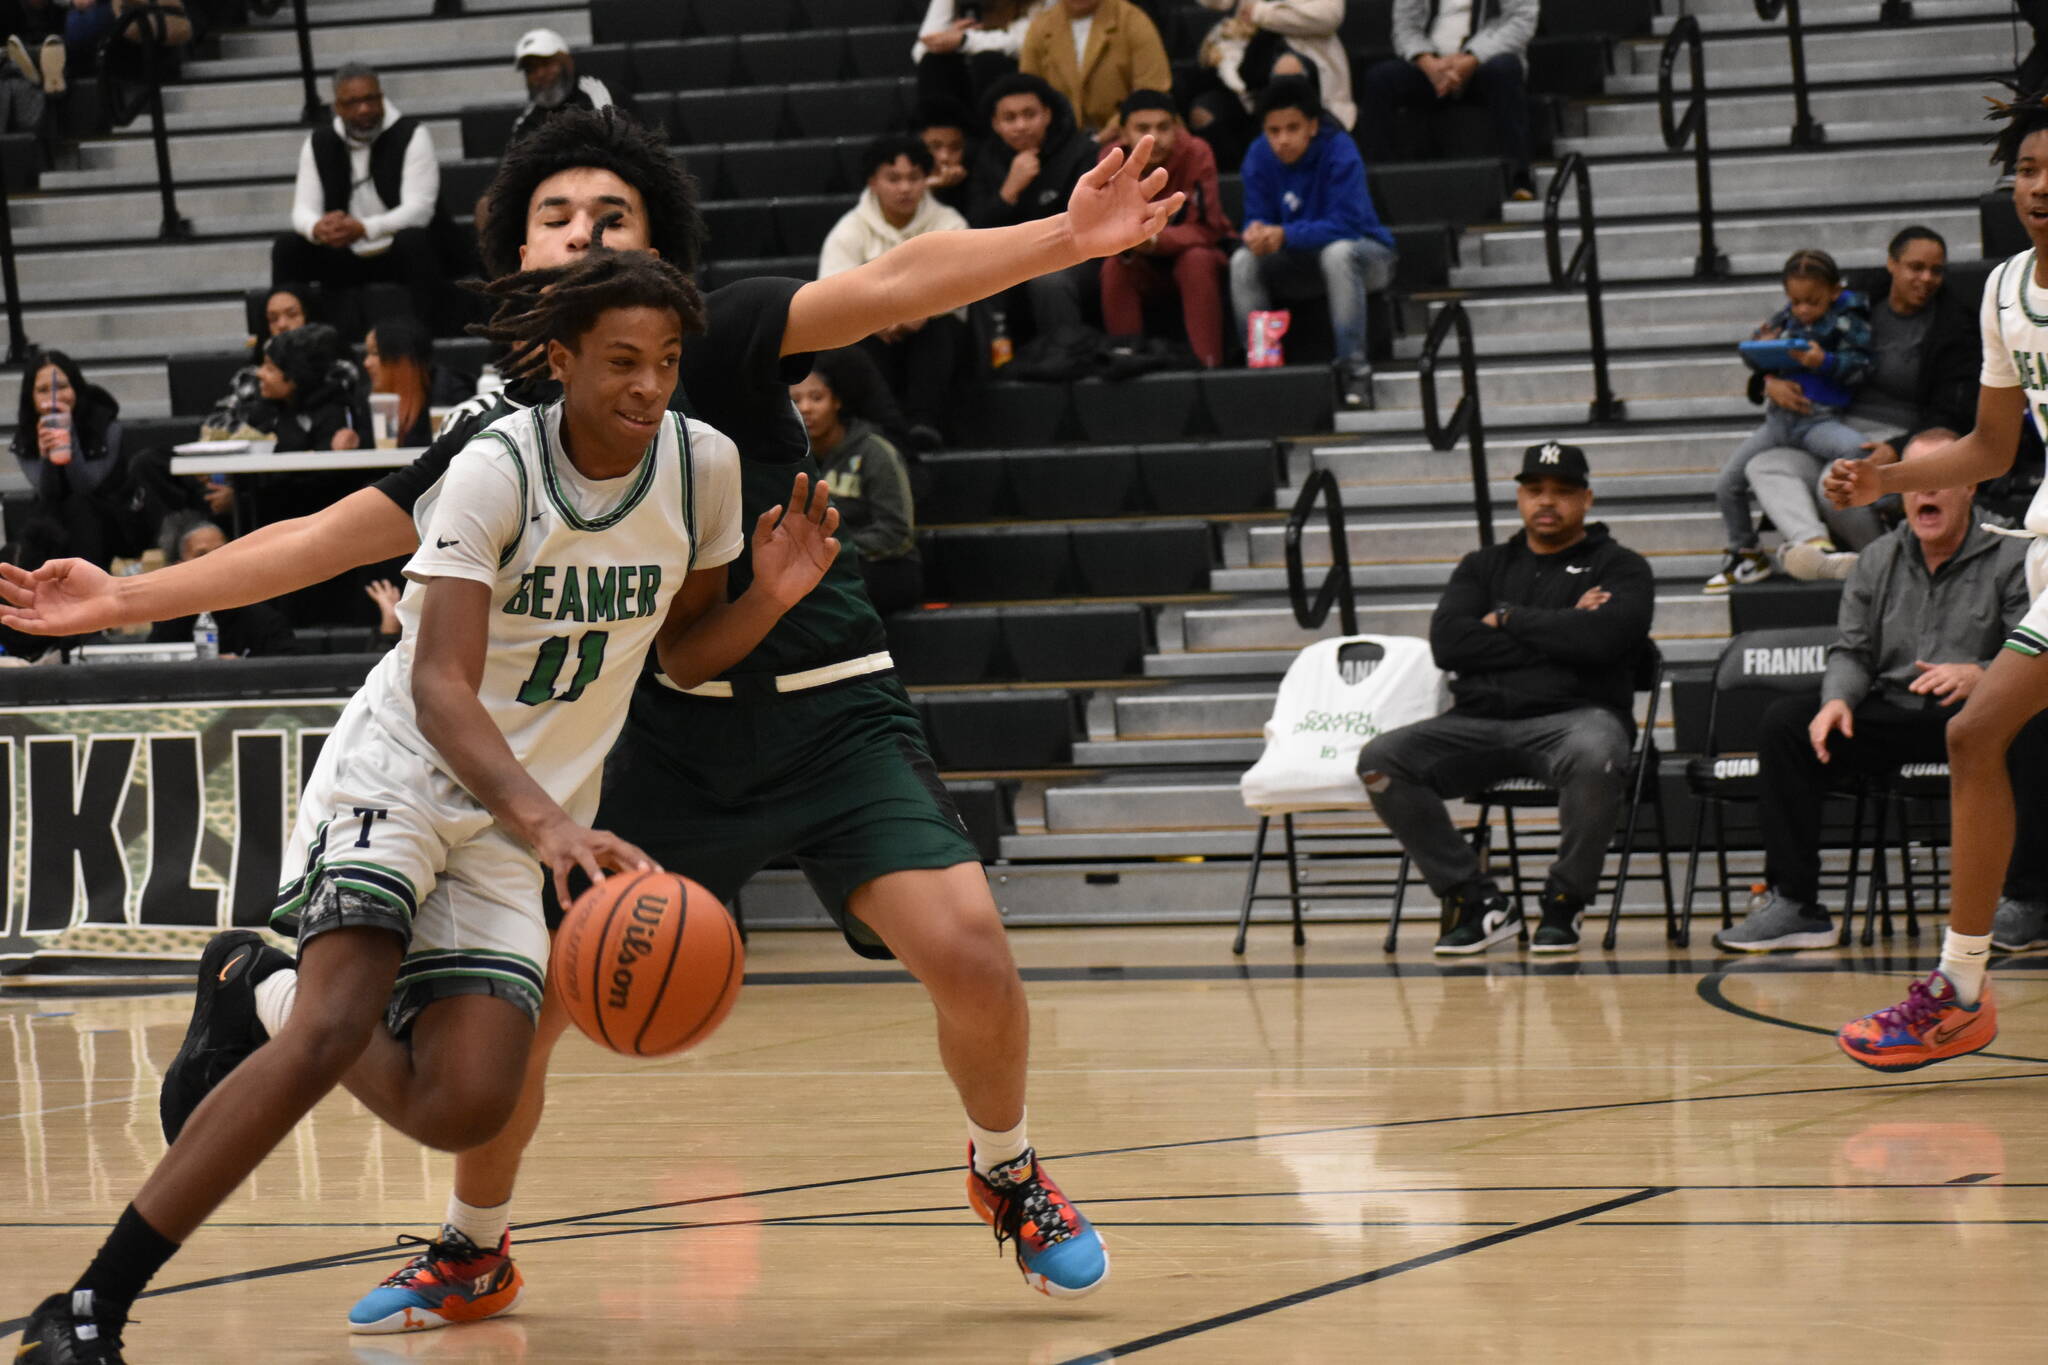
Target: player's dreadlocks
point(563, 304)
point(606, 140)
point(2024, 115)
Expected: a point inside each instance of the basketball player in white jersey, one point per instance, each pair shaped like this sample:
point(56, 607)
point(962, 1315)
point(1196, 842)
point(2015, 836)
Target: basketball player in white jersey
point(563, 543)
point(1952, 1011)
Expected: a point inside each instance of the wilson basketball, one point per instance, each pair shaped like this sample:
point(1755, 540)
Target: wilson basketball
point(648, 963)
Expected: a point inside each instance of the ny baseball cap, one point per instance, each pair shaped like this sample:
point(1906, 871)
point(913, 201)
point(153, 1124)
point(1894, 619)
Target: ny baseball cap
point(539, 42)
point(1552, 460)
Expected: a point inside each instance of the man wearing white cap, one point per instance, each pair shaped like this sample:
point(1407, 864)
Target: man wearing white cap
point(552, 85)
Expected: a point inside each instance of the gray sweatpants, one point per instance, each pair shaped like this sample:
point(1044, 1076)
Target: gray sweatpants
point(1584, 754)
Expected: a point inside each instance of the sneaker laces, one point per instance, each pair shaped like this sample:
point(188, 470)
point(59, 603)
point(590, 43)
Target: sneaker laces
point(453, 1248)
point(1027, 1200)
point(1916, 1010)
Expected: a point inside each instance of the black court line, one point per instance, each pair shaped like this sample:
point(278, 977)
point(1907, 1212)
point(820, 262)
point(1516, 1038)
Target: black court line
point(1709, 990)
point(1384, 1272)
point(1973, 1179)
point(1884, 964)
point(1814, 1222)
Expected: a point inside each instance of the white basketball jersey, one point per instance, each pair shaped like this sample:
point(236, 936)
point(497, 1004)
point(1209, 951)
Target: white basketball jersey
point(581, 576)
point(2015, 323)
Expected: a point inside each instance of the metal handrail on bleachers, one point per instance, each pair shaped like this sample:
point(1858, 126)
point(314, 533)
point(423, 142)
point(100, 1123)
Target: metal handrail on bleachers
point(148, 20)
point(1711, 263)
point(1805, 132)
point(1582, 271)
point(1321, 486)
point(1466, 421)
point(17, 336)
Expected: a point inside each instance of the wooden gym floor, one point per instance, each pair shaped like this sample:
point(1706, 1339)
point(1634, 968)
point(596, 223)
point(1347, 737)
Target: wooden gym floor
point(1329, 1156)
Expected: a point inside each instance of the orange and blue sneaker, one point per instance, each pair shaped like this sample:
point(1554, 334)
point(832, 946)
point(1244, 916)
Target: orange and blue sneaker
point(1058, 1250)
point(1930, 1025)
point(451, 1280)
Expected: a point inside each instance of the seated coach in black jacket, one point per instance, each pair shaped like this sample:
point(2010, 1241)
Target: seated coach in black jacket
point(1541, 635)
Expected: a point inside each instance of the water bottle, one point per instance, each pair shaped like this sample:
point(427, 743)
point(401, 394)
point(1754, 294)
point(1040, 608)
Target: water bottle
point(205, 637)
point(60, 422)
point(488, 380)
point(1000, 351)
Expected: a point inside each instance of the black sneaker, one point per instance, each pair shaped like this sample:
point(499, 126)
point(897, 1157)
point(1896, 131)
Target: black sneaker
point(64, 1330)
point(1479, 922)
point(1354, 387)
point(1559, 930)
point(224, 1029)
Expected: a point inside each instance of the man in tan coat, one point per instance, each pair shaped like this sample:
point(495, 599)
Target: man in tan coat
point(1095, 52)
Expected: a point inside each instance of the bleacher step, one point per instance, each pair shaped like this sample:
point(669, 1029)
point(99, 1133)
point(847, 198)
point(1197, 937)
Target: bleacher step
point(165, 268)
point(421, 93)
point(1945, 62)
point(269, 153)
point(1861, 176)
point(1373, 540)
point(1680, 613)
point(1678, 571)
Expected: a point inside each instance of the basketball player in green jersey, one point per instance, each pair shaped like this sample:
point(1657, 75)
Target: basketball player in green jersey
point(1953, 1012)
point(838, 775)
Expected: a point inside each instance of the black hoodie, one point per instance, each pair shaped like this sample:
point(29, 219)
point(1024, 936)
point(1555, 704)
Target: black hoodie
point(1064, 157)
point(1546, 655)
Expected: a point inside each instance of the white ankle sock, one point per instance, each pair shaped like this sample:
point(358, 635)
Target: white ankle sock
point(993, 1149)
point(274, 996)
point(484, 1226)
point(1963, 960)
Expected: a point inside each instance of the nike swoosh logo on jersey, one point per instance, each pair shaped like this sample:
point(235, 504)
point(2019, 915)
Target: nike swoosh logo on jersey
point(440, 544)
point(1578, 568)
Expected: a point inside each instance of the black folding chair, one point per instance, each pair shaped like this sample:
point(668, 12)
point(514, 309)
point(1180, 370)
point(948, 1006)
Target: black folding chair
point(1755, 669)
point(1522, 793)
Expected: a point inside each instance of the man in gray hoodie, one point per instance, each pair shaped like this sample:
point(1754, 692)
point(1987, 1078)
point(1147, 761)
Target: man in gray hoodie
point(1923, 612)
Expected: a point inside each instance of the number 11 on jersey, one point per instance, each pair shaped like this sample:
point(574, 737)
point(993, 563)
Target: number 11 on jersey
point(539, 686)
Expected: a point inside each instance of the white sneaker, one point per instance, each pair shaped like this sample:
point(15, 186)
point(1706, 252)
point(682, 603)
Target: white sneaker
point(53, 65)
point(1740, 568)
point(1814, 560)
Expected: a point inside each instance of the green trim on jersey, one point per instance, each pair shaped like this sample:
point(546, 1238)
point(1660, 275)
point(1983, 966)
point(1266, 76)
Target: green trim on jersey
point(689, 483)
point(2027, 642)
point(642, 481)
point(2027, 278)
point(525, 493)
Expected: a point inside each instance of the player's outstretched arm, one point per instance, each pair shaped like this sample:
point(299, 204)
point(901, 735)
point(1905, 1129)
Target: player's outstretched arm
point(1985, 453)
point(704, 634)
point(1113, 208)
point(73, 597)
point(447, 670)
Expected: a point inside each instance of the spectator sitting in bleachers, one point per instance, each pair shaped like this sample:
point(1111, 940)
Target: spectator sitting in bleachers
point(1926, 351)
point(552, 84)
point(1924, 612)
point(258, 630)
point(284, 310)
point(319, 393)
point(1310, 228)
point(1835, 324)
point(34, 72)
point(870, 484)
point(1186, 258)
point(1095, 52)
point(35, 41)
point(1260, 41)
point(959, 55)
point(1456, 50)
point(67, 439)
point(398, 357)
point(946, 129)
point(1542, 634)
point(921, 358)
point(1026, 171)
point(364, 199)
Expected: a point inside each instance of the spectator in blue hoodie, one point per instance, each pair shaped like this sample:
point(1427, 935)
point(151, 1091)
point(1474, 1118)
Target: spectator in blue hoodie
point(1310, 227)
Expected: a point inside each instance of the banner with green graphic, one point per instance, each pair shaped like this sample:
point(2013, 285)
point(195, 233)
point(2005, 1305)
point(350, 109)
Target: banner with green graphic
point(151, 816)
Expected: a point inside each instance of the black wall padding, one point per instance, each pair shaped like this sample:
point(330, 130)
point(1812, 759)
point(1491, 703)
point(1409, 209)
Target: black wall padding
point(1073, 483)
point(1143, 559)
point(980, 731)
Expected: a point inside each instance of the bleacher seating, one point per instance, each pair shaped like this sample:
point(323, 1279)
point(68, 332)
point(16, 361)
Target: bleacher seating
point(1087, 534)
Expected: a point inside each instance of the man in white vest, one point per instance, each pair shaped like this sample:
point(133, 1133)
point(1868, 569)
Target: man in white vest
point(1542, 634)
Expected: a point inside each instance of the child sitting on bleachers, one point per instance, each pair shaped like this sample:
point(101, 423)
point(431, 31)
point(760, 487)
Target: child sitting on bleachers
point(1835, 322)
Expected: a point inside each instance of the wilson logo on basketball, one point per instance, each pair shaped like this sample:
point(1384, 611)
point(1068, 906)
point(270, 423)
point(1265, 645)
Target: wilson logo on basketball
point(638, 943)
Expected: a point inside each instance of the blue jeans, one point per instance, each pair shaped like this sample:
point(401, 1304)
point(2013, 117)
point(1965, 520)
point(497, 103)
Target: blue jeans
point(1346, 271)
point(1821, 432)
